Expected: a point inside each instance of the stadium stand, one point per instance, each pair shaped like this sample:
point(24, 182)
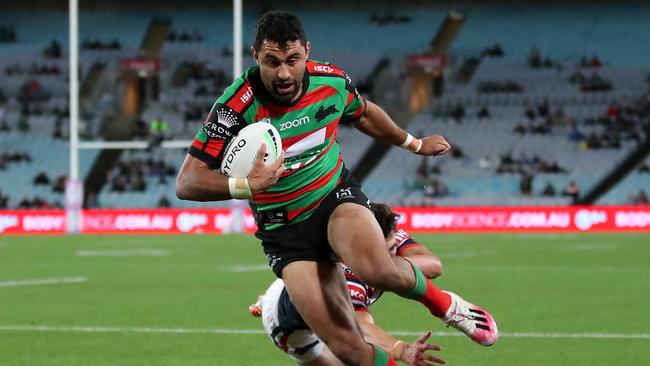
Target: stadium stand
point(503, 155)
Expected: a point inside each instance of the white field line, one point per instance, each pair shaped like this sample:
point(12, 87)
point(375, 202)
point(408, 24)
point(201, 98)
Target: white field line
point(43, 281)
point(80, 329)
point(590, 246)
point(466, 254)
point(123, 253)
point(248, 268)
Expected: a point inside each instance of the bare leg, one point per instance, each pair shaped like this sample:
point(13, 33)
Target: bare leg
point(355, 235)
point(326, 358)
point(318, 291)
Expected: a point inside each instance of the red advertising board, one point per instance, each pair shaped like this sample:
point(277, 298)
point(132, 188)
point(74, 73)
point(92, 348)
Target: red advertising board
point(414, 219)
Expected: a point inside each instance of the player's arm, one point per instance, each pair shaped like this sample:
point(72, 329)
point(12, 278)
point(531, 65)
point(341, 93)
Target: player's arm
point(197, 181)
point(413, 354)
point(426, 261)
point(199, 178)
point(375, 122)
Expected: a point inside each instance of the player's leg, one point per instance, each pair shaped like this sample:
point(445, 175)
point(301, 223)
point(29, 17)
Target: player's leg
point(283, 326)
point(318, 291)
point(355, 235)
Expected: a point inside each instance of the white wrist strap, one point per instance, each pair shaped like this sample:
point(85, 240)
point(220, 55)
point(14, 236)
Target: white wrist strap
point(411, 144)
point(239, 188)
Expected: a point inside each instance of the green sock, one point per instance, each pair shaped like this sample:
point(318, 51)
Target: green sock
point(382, 358)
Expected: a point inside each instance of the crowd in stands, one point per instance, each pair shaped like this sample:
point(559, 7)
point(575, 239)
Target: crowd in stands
point(96, 44)
point(381, 20)
point(130, 175)
point(507, 86)
point(38, 203)
point(34, 70)
point(508, 165)
point(184, 36)
point(42, 179)
point(7, 158)
point(54, 50)
point(7, 33)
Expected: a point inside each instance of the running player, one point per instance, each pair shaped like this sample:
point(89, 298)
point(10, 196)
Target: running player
point(290, 333)
point(312, 209)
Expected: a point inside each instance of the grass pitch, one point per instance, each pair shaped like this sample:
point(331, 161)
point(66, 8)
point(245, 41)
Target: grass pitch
point(182, 300)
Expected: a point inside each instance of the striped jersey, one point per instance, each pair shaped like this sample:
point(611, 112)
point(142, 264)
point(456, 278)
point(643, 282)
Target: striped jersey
point(307, 126)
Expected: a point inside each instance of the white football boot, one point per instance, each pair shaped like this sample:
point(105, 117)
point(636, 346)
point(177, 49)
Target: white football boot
point(472, 320)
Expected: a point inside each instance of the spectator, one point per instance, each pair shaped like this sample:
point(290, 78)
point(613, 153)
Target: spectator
point(458, 113)
point(4, 201)
point(549, 190)
point(41, 179)
point(644, 167)
point(157, 131)
point(572, 190)
point(526, 183)
point(484, 112)
point(535, 58)
point(59, 184)
point(641, 198)
point(163, 202)
point(23, 123)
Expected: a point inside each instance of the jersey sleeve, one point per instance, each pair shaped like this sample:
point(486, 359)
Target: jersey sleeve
point(358, 294)
point(404, 240)
point(355, 103)
point(214, 134)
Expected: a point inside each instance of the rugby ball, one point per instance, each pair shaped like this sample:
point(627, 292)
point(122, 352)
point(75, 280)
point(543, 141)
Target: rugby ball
point(241, 152)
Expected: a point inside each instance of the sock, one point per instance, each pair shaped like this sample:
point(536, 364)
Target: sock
point(382, 358)
point(429, 295)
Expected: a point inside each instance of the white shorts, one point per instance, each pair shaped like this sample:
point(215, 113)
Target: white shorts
point(302, 345)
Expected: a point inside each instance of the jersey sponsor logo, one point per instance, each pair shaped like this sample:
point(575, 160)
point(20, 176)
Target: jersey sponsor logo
point(324, 68)
point(226, 117)
point(247, 95)
point(231, 155)
point(295, 123)
point(324, 112)
point(216, 130)
point(344, 193)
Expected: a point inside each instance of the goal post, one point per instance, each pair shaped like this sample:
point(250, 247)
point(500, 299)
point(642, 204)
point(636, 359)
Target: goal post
point(74, 185)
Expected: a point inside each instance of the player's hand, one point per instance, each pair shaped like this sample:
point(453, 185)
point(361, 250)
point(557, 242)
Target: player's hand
point(434, 145)
point(415, 354)
point(263, 176)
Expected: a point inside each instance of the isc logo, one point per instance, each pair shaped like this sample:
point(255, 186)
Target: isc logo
point(247, 96)
point(323, 68)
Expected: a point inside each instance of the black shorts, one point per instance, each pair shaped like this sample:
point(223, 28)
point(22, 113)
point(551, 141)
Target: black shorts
point(307, 240)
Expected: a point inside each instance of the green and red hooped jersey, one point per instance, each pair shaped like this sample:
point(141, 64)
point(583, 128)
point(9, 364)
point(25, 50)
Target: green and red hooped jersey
point(307, 126)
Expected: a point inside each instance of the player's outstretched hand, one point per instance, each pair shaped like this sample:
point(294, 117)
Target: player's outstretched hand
point(415, 354)
point(434, 145)
point(263, 176)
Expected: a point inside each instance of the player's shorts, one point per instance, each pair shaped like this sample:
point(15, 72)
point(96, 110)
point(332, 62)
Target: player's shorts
point(286, 328)
point(307, 240)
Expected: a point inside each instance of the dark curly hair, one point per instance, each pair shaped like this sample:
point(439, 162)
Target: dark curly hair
point(386, 218)
point(280, 27)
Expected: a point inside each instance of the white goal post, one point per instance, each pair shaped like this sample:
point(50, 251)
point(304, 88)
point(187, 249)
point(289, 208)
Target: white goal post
point(74, 185)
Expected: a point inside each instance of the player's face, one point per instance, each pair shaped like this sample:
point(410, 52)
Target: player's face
point(282, 69)
point(391, 243)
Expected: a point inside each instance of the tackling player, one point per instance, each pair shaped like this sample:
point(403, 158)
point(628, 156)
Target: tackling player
point(312, 209)
point(289, 332)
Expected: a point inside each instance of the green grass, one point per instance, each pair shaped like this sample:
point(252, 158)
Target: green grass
point(531, 283)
